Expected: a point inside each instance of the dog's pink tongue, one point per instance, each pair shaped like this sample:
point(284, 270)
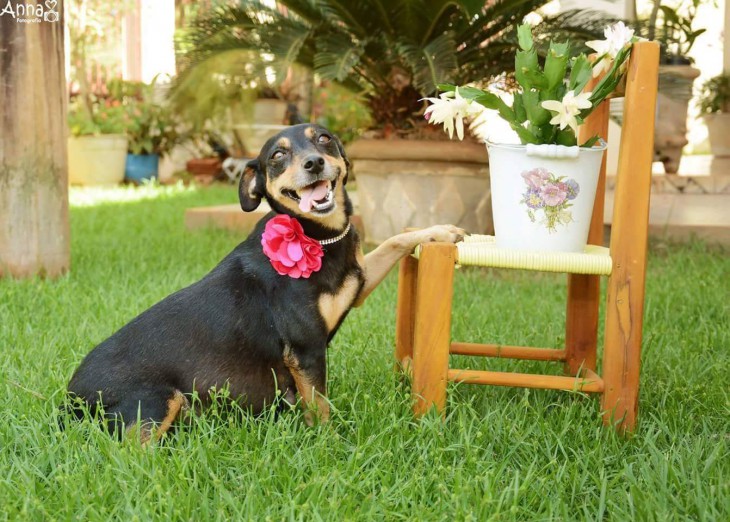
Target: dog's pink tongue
point(312, 193)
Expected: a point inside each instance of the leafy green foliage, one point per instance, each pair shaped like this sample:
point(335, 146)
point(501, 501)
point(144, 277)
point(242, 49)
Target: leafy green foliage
point(100, 117)
point(340, 110)
point(608, 83)
point(524, 36)
point(151, 127)
point(501, 454)
point(129, 108)
point(432, 63)
point(526, 62)
point(393, 53)
point(679, 35)
point(207, 95)
point(715, 95)
point(558, 76)
point(673, 27)
point(556, 64)
point(581, 72)
point(591, 141)
point(336, 56)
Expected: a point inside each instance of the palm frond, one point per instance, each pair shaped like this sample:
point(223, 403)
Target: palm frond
point(307, 10)
point(394, 51)
point(351, 15)
point(496, 19)
point(443, 13)
point(432, 64)
point(576, 25)
point(336, 57)
point(410, 17)
point(284, 41)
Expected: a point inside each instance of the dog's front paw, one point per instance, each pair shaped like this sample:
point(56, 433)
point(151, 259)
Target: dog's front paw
point(444, 234)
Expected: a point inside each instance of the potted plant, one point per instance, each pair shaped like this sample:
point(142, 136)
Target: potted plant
point(97, 142)
point(715, 106)
point(97, 145)
point(543, 189)
point(214, 94)
point(153, 128)
point(395, 56)
point(674, 29)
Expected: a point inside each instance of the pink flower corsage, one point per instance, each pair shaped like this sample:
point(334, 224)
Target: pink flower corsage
point(289, 249)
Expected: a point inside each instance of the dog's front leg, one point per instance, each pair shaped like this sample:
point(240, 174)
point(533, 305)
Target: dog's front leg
point(379, 262)
point(309, 370)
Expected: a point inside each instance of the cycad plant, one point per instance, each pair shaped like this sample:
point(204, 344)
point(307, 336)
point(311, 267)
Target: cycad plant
point(395, 53)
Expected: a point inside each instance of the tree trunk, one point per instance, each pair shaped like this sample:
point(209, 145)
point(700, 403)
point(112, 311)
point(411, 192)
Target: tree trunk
point(34, 228)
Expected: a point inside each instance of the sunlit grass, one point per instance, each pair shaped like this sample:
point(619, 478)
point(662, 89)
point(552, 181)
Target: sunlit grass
point(502, 454)
point(99, 195)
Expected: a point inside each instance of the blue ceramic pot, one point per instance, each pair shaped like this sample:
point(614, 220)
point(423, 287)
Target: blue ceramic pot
point(140, 167)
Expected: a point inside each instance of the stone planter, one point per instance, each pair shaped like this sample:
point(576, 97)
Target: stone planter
point(254, 135)
point(267, 111)
point(675, 91)
point(411, 183)
point(266, 120)
point(718, 128)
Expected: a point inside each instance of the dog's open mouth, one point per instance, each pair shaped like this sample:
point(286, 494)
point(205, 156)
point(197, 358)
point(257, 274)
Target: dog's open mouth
point(317, 197)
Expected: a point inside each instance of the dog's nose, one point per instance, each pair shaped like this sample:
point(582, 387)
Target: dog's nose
point(313, 164)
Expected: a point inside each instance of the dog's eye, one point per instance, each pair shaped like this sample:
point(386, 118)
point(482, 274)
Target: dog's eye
point(277, 155)
point(324, 139)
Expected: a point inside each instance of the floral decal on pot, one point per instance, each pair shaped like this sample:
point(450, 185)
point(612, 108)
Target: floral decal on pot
point(550, 194)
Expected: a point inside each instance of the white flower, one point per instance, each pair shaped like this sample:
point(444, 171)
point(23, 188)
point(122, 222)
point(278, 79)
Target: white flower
point(567, 109)
point(450, 108)
point(487, 125)
point(618, 36)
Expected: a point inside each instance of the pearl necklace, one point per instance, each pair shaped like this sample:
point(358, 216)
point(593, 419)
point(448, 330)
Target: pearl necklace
point(324, 242)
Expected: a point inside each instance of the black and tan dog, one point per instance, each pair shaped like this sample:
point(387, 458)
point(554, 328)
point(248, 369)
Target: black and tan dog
point(244, 325)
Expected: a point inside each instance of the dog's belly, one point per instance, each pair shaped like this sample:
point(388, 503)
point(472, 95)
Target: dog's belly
point(253, 384)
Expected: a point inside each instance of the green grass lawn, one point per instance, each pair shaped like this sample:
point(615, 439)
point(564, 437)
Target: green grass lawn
point(502, 454)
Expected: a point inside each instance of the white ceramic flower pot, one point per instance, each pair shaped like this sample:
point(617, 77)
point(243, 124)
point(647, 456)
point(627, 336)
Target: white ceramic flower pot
point(542, 195)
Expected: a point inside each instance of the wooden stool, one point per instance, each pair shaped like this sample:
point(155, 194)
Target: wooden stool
point(425, 288)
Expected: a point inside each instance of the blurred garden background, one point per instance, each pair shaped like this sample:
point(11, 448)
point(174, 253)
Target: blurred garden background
point(123, 129)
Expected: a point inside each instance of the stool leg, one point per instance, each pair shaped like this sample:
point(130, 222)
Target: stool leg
point(625, 295)
point(581, 318)
point(405, 312)
point(432, 333)
point(581, 322)
point(622, 348)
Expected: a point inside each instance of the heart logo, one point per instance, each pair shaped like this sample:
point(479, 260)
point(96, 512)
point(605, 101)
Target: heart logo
point(51, 4)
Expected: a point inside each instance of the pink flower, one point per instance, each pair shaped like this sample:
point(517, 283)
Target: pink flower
point(536, 178)
point(290, 251)
point(552, 195)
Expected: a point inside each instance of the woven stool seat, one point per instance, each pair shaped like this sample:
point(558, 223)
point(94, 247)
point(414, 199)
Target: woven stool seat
point(480, 250)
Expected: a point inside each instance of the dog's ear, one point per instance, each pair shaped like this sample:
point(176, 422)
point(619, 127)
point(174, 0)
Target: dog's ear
point(251, 187)
point(341, 148)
